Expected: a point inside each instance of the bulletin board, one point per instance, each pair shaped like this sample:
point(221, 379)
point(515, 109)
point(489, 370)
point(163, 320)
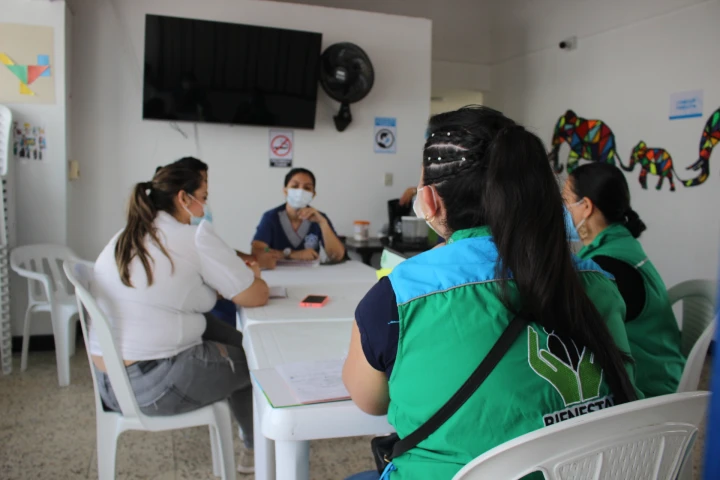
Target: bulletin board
point(27, 64)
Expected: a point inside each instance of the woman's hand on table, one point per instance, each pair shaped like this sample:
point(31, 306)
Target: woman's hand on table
point(268, 261)
point(307, 254)
point(255, 267)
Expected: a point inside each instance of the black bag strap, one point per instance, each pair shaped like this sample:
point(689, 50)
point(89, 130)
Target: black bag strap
point(497, 352)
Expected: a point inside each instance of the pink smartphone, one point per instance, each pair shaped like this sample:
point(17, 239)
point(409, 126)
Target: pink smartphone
point(314, 301)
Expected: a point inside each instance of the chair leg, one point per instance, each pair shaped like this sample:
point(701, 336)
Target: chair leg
point(107, 437)
point(225, 437)
point(215, 450)
point(26, 339)
point(72, 335)
point(60, 333)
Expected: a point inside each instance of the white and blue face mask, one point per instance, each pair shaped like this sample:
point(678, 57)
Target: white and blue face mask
point(207, 214)
point(570, 228)
point(298, 198)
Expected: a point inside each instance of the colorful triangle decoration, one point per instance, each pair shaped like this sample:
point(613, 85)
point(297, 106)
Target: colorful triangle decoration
point(20, 71)
point(34, 71)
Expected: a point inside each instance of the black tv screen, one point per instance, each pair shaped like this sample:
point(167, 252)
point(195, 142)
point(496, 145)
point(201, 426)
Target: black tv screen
point(202, 71)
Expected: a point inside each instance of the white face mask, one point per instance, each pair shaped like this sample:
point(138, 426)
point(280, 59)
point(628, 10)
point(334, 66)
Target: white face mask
point(298, 198)
point(417, 207)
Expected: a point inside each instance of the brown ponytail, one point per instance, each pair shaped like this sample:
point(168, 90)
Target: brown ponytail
point(147, 199)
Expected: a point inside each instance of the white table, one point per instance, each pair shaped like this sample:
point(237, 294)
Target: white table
point(282, 435)
point(341, 273)
point(344, 298)
point(346, 284)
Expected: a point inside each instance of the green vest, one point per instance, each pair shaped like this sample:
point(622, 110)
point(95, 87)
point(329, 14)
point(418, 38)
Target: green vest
point(450, 315)
point(654, 335)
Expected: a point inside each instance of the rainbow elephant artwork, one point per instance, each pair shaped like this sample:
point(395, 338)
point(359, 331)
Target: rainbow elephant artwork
point(709, 138)
point(656, 161)
point(588, 140)
point(593, 140)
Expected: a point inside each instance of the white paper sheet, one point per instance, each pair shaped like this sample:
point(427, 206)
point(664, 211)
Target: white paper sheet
point(315, 382)
point(278, 292)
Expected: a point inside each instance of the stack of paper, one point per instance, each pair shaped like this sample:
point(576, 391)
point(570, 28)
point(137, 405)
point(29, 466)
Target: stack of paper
point(303, 383)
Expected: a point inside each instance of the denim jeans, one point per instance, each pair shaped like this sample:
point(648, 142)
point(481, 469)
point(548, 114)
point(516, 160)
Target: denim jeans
point(207, 373)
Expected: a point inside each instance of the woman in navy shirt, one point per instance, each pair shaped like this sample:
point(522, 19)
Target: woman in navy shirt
point(296, 230)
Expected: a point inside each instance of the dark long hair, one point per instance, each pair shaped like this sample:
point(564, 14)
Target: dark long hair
point(147, 199)
point(606, 186)
point(489, 171)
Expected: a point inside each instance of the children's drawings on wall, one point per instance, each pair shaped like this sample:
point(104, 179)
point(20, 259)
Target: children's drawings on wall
point(27, 67)
point(593, 140)
point(29, 142)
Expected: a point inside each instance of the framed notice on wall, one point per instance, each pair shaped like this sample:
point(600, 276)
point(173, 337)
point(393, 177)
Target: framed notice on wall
point(27, 64)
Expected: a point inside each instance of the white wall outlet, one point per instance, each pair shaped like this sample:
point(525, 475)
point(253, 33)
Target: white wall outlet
point(388, 179)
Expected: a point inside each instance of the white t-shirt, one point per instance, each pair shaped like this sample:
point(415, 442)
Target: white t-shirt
point(162, 320)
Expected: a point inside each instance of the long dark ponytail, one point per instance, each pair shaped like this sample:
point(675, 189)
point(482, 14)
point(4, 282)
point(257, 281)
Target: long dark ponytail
point(490, 171)
point(146, 200)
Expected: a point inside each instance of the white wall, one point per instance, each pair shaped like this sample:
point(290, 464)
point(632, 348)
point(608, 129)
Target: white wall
point(460, 76)
point(625, 77)
point(116, 148)
point(41, 187)
point(449, 100)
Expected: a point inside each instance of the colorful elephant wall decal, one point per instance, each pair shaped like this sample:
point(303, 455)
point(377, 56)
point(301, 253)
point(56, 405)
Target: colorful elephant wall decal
point(593, 140)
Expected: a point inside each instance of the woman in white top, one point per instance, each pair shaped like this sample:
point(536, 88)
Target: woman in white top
point(155, 280)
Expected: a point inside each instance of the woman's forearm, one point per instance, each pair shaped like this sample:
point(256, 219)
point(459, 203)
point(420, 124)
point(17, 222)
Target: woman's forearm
point(333, 246)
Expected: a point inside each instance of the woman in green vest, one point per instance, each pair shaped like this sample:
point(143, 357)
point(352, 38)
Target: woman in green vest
point(487, 187)
point(598, 202)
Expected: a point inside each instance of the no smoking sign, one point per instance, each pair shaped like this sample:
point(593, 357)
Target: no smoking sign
point(281, 148)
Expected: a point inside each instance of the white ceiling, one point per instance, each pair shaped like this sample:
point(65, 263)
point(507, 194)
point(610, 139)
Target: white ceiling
point(491, 31)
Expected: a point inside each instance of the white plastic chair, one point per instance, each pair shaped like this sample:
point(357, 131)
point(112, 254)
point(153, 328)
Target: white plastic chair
point(48, 292)
point(698, 326)
point(643, 440)
point(111, 424)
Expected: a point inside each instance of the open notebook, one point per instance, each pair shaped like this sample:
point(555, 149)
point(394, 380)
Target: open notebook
point(302, 383)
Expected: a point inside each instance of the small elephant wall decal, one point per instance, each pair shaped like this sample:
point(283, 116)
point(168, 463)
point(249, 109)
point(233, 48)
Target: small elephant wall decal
point(656, 161)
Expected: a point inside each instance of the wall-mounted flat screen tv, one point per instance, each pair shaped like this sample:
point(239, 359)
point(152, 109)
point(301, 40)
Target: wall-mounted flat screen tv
point(203, 71)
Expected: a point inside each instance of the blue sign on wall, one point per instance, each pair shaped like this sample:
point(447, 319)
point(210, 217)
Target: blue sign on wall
point(686, 105)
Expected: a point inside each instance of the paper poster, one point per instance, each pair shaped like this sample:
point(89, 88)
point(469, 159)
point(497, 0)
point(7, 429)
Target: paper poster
point(686, 105)
point(29, 142)
point(26, 64)
point(385, 138)
point(281, 148)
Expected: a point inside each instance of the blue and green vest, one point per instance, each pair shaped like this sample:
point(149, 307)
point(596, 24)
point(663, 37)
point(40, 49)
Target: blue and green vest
point(654, 335)
point(451, 314)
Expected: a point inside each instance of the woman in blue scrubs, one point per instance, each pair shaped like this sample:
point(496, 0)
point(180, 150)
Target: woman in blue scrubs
point(295, 230)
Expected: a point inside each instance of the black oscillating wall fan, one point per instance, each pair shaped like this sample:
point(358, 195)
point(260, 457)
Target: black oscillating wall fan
point(346, 75)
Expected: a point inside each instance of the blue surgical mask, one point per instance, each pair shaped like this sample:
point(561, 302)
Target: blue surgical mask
point(207, 214)
point(570, 228)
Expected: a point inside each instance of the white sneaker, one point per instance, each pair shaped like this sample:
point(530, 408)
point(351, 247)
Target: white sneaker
point(246, 461)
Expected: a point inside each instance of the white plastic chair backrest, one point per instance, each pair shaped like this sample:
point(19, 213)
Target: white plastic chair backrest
point(643, 440)
point(44, 259)
point(698, 326)
point(698, 309)
point(5, 138)
point(80, 274)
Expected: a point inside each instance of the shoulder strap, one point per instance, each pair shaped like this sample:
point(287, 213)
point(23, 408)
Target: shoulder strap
point(487, 365)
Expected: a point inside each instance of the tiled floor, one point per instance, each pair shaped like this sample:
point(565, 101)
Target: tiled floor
point(47, 432)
